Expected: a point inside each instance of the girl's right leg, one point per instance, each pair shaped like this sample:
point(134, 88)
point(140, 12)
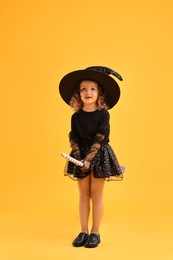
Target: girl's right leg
point(84, 202)
point(84, 210)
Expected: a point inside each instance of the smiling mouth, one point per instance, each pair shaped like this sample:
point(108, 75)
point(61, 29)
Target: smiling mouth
point(88, 97)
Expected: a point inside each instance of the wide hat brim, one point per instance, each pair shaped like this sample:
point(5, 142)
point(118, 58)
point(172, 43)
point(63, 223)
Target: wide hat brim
point(70, 82)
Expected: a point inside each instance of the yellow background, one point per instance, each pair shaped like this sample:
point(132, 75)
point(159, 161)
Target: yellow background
point(41, 41)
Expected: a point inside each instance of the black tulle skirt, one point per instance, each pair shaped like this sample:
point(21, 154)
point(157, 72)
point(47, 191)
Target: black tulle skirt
point(104, 165)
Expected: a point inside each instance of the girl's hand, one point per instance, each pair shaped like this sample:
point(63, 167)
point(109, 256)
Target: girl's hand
point(86, 166)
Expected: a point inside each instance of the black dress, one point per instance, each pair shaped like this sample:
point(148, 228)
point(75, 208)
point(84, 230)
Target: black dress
point(85, 129)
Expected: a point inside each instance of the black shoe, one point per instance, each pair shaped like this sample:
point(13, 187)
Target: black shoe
point(92, 241)
point(80, 239)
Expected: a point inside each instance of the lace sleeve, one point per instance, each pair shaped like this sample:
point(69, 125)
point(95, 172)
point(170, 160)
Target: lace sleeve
point(99, 140)
point(73, 139)
point(75, 148)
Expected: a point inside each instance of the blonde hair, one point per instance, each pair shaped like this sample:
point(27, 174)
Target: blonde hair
point(76, 102)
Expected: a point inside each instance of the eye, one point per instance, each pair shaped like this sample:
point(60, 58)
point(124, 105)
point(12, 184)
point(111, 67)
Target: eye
point(82, 89)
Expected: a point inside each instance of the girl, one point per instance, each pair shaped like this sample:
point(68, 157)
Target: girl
point(91, 92)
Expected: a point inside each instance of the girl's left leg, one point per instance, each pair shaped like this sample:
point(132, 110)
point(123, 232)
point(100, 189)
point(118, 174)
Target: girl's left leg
point(97, 187)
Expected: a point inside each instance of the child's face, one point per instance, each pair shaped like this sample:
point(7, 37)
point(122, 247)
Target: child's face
point(89, 92)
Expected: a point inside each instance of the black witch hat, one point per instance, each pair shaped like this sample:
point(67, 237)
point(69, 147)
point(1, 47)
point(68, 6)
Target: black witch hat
point(99, 74)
